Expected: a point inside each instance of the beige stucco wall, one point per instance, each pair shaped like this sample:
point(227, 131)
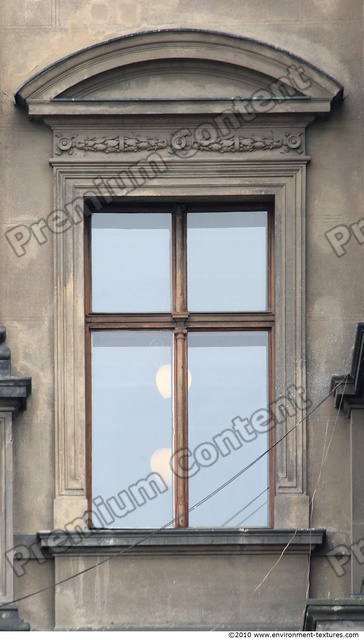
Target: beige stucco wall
point(35, 33)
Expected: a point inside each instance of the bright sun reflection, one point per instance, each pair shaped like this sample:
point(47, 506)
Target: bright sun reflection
point(163, 380)
point(160, 463)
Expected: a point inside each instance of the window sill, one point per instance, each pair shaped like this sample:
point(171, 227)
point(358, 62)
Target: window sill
point(185, 541)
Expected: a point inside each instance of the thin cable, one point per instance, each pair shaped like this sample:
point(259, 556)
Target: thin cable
point(325, 452)
point(251, 514)
point(154, 533)
point(262, 455)
point(250, 595)
point(310, 518)
point(243, 509)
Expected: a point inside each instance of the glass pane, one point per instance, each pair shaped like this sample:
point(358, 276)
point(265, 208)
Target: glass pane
point(226, 429)
point(227, 261)
point(131, 262)
point(132, 428)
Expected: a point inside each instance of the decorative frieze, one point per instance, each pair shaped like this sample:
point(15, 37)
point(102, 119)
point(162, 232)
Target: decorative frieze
point(184, 140)
point(108, 144)
point(180, 143)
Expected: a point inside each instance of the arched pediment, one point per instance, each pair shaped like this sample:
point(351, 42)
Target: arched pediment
point(178, 78)
point(184, 71)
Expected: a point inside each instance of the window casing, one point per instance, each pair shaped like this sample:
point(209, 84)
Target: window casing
point(169, 306)
point(199, 146)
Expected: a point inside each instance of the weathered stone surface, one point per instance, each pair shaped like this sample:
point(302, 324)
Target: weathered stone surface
point(185, 591)
point(192, 592)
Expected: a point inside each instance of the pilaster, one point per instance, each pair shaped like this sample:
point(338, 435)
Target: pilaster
point(14, 392)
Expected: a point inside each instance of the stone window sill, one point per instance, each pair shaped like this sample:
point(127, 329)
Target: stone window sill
point(185, 541)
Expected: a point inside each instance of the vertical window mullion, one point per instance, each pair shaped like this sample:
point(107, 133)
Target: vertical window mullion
point(180, 427)
point(179, 267)
point(179, 312)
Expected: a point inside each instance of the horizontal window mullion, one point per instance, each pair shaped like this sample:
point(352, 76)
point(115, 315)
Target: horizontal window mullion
point(96, 321)
point(230, 322)
point(192, 321)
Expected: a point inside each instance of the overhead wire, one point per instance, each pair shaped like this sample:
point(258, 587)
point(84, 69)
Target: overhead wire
point(323, 460)
point(245, 507)
point(325, 451)
point(168, 524)
point(252, 514)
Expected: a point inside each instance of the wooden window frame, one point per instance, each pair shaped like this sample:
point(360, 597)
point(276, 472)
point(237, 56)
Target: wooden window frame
point(181, 322)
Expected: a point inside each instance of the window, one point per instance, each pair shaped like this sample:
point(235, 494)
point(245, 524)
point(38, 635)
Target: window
point(125, 133)
point(180, 318)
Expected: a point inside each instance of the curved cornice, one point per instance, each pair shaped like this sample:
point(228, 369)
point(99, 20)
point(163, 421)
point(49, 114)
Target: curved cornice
point(263, 60)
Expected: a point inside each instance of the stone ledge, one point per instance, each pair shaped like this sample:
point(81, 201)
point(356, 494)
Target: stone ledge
point(186, 541)
point(349, 390)
point(334, 615)
point(14, 390)
point(10, 619)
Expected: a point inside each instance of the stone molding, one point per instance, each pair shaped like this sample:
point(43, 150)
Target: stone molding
point(49, 91)
point(6, 504)
point(14, 392)
point(349, 389)
point(281, 180)
point(188, 541)
point(100, 126)
point(178, 142)
point(10, 619)
point(334, 615)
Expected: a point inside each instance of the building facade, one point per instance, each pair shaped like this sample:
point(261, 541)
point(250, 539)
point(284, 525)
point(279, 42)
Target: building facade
point(181, 229)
